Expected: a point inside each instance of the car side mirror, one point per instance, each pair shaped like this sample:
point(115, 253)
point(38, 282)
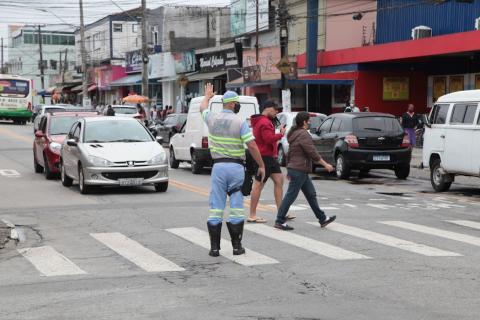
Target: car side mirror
point(159, 139)
point(72, 143)
point(39, 134)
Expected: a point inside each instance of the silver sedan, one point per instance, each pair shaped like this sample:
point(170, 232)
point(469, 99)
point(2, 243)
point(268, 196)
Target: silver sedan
point(111, 151)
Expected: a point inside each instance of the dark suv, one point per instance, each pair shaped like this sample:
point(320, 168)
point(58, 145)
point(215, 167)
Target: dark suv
point(364, 141)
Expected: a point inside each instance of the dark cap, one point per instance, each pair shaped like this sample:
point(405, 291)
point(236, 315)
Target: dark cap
point(270, 104)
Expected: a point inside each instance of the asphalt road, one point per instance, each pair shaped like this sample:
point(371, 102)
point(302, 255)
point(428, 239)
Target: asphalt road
point(398, 251)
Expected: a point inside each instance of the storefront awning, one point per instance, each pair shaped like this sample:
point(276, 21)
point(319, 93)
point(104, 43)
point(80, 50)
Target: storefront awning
point(168, 79)
point(321, 81)
point(206, 76)
point(130, 80)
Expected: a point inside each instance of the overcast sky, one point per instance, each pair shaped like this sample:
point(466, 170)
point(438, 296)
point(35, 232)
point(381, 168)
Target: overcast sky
point(67, 11)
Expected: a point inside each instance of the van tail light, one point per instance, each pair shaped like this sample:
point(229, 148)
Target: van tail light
point(29, 106)
point(205, 143)
point(352, 141)
point(405, 142)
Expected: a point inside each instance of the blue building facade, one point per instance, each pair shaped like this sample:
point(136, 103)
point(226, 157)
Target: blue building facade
point(397, 18)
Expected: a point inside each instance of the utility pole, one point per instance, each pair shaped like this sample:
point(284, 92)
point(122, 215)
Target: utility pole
point(283, 22)
point(86, 102)
point(2, 70)
point(256, 33)
point(60, 68)
point(65, 66)
point(42, 75)
point(145, 55)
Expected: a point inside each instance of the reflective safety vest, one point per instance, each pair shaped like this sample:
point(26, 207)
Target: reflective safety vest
point(224, 138)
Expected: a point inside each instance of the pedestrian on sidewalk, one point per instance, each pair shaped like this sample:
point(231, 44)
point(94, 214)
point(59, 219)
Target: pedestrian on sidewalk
point(267, 142)
point(301, 152)
point(227, 135)
point(410, 123)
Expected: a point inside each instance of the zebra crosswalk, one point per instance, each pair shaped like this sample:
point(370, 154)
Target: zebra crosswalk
point(48, 261)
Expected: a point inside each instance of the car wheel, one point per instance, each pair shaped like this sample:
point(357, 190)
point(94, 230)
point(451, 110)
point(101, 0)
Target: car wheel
point(161, 187)
point(48, 173)
point(84, 188)
point(66, 180)
point(402, 172)
point(38, 168)
point(439, 179)
point(174, 163)
point(281, 157)
point(196, 165)
point(341, 168)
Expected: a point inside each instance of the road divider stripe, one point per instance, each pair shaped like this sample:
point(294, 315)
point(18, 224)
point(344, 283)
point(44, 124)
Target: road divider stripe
point(435, 232)
point(136, 253)
point(201, 238)
point(466, 223)
point(50, 262)
point(389, 241)
point(305, 243)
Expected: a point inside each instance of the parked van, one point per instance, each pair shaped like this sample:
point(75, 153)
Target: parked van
point(191, 143)
point(450, 140)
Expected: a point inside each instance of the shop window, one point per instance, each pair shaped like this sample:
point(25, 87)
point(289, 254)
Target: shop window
point(342, 93)
point(117, 27)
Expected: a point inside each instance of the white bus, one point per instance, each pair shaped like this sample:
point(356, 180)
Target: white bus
point(15, 98)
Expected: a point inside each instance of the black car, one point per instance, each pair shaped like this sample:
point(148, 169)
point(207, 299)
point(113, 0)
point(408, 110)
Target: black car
point(364, 141)
point(170, 126)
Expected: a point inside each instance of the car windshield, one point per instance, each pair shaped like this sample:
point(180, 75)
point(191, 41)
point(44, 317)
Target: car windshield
point(116, 131)
point(377, 124)
point(315, 122)
point(61, 125)
point(53, 110)
point(124, 110)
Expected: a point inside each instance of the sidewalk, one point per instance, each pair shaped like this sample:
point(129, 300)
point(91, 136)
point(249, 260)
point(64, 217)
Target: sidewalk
point(4, 233)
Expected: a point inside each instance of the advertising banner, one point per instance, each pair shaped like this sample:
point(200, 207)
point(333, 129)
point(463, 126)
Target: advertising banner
point(237, 19)
point(133, 61)
point(396, 88)
point(251, 15)
point(218, 60)
point(161, 65)
point(439, 87)
point(184, 61)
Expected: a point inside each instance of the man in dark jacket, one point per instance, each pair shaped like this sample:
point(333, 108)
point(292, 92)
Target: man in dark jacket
point(267, 142)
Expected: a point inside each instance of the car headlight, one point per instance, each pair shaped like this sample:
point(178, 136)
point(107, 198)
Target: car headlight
point(55, 147)
point(99, 162)
point(158, 159)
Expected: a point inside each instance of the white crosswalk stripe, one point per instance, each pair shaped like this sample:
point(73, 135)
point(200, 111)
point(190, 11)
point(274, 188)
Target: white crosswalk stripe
point(292, 207)
point(435, 232)
point(136, 253)
point(201, 238)
point(466, 223)
point(50, 262)
point(389, 240)
point(305, 243)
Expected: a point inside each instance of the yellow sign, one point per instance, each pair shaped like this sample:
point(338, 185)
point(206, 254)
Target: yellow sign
point(396, 88)
point(439, 87)
point(477, 81)
point(283, 65)
point(456, 84)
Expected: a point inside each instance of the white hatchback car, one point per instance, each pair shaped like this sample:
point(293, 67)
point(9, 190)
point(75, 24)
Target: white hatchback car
point(450, 139)
point(112, 151)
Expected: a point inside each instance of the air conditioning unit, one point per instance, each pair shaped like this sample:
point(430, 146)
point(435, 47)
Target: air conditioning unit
point(421, 32)
point(477, 24)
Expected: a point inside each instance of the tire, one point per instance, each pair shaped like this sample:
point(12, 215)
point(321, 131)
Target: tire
point(282, 160)
point(161, 187)
point(174, 163)
point(437, 179)
point(196, 165)
point(341, 168)
point(36, 166)
point(402, 172)
point(84, 189)
point(66, 180)
point(49, 175)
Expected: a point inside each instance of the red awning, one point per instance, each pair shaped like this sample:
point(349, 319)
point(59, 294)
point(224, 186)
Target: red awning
point(329, 76)
point(439, 45)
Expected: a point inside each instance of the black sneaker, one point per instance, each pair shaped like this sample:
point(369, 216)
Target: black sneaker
point(283, 226)
point(328, 221)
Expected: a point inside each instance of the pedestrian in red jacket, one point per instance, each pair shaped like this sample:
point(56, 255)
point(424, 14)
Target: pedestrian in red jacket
point(267, 142)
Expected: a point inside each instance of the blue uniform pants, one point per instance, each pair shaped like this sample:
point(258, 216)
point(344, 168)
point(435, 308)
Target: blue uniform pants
point(225, 177)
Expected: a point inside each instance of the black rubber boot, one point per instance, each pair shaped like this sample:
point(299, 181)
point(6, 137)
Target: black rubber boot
point(215, 232)
point(236, 233)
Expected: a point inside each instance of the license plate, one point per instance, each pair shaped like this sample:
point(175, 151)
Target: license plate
point(381, 158)
point(130, 182)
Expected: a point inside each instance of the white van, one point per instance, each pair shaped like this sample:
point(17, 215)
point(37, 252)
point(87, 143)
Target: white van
point(450, 141)
point(191, 143)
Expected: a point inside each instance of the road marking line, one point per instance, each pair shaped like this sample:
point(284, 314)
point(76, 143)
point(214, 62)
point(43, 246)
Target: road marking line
point(9, 173)
point(201, 238)
point(292, 207)
point(377, 199)
point(50, 262)
point(435, 232)
point(135, 252)
point(305, 243)
point(389, 241)
point(380, 206)
point(466, 223)
point(329, 208)
point(350, 205)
